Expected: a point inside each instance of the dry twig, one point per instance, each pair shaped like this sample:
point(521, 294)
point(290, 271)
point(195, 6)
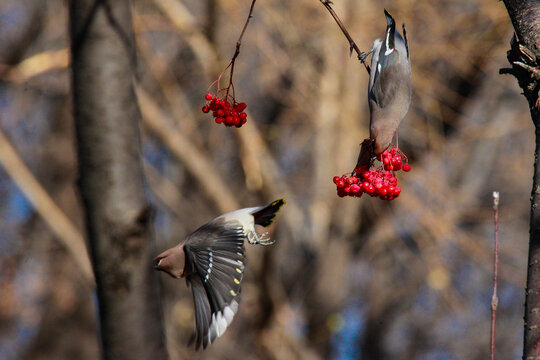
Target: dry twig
point(495, 298)
point(352, 44)
point(238, 44)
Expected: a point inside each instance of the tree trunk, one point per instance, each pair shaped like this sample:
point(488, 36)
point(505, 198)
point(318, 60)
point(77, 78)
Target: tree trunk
point(524, 56)
point(118, 215)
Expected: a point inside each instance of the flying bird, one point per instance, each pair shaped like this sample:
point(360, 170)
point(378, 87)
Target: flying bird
point(213, 261)
point(389, 89)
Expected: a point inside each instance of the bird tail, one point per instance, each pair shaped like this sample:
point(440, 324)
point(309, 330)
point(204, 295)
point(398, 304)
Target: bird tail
point(390, 30)
point(266, 214)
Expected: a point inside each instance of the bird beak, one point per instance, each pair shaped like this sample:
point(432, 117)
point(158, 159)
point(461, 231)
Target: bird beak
point(157, 261)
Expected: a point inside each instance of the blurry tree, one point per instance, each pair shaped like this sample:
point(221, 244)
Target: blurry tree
point(118, 215)
point(524, 56)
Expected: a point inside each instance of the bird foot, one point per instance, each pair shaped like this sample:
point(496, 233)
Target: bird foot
point(363, 56)
point(263, 239)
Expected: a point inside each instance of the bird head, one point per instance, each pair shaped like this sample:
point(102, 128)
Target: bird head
point(171, 261)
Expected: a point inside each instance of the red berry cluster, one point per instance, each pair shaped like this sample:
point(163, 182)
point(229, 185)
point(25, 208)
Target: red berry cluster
point(379, 182)
point(224, 112)
point(394, 160)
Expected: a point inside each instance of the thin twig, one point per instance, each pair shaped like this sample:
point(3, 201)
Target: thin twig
point(494, 298)
point(352, 44)
point(237, 50)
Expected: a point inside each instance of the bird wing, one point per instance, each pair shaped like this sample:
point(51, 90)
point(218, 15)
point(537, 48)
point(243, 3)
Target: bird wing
point(386, 64)
point(217, 254)
point(384, 83)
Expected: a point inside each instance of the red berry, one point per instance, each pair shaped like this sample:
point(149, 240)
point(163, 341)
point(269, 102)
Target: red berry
point(208, 96)
point(347, 189)
point(205, 109)
point(335, 179)
point(397, 191)
point(219, 120)
point(406, 167)
point(340, 183)
point(355, 189)
point(240, 107)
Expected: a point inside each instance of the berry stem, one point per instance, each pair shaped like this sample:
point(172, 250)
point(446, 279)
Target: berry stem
point(352, 44)
point(237, 50)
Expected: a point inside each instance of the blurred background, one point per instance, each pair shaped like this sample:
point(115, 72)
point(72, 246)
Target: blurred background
point(348, 278)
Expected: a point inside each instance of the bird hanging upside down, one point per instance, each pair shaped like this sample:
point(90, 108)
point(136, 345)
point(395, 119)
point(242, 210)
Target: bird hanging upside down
point(389, 89)
point(213, 260)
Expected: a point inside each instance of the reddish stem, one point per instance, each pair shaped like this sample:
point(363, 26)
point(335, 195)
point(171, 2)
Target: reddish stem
point(352, 44)
point(494, 298)
point(237, 50)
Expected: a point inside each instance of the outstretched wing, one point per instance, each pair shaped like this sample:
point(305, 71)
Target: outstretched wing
point(218, 257)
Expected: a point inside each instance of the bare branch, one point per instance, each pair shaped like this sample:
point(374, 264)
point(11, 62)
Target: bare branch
point(238, 44)
point(494, 297)
point(352, 44)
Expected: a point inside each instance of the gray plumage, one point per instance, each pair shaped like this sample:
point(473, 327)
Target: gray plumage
point(213, 260)
point(389, 90)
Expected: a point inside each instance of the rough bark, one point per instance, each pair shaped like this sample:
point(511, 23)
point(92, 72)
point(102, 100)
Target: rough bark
point(118, 215)
point(524, 56)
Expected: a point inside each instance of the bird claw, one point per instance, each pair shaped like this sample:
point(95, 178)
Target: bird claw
point(363, 56)
point(263, 239)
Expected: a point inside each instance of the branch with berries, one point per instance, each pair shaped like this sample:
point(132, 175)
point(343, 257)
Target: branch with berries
point(389, 98)
point(223, 105)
